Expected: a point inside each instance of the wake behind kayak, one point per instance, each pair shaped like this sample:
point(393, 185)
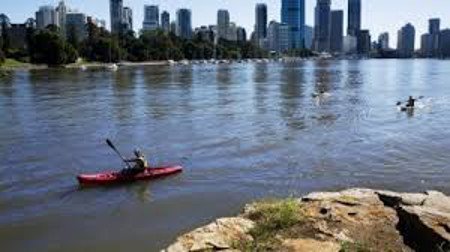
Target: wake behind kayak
point(112, 178)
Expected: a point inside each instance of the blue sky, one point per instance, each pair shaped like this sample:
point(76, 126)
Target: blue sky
point(378, 15)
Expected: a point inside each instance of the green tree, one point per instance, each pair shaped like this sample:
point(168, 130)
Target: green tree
point(72, 37)
point(2, 57)
point(100, 45)
point(4, 24)
point(50, 48)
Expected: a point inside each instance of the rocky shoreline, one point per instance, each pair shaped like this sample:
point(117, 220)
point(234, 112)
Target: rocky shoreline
point(350, 220)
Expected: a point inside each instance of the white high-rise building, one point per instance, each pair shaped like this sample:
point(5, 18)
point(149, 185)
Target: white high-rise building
point(61, 11)
point(127, 19)
point(151, 18)
point(278, 37)
point(350, 45)
point(45, 16)
point(231, 32)
point(223, 23)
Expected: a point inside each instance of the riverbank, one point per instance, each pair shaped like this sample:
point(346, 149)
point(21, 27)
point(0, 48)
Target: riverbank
point(11, 65)
point(351, 220)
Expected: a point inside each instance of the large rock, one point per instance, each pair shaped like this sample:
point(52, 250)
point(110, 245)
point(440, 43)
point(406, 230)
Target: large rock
point(309, 245)
point(424, 219)
point(359, 219)
point(218, 235)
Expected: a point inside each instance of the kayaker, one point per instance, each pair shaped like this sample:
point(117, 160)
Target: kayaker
point(411, 102)
point(140, 163)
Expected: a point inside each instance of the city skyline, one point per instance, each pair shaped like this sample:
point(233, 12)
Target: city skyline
point(375, 14)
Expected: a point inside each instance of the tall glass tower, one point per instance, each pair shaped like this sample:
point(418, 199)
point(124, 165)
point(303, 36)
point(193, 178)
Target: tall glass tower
point(184, 24)
point(293, 14)
point(354, 17)
point(261, 22)
point(116, 12)
point(322, 26)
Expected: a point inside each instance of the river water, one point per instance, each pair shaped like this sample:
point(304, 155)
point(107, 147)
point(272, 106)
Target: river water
point(242, 132)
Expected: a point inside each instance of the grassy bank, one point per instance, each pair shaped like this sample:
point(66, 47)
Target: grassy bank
point(12, 64)
point(273, 218)
point(277, 221)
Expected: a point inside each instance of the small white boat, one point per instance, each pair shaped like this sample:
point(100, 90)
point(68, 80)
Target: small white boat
point(113, 67)
point(83, 68)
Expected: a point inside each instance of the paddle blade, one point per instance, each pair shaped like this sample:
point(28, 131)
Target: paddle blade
point(110, 144)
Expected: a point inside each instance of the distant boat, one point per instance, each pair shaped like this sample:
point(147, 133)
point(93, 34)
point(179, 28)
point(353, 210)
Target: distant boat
point(83, 68)
point(113, 67)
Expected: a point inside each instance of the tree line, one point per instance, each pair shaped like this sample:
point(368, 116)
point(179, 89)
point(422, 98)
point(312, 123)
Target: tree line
point(48, 46)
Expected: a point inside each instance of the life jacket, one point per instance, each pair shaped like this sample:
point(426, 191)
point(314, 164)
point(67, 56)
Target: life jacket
point(141, 163)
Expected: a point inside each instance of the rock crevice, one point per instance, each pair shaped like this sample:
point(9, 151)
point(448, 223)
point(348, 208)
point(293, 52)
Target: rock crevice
point(423, 219)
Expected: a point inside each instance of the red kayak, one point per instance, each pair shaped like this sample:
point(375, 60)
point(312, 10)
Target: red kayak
point(109, 178)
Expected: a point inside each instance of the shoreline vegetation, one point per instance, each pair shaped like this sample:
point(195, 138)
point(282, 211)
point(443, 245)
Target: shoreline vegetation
point(47, 47)
point(354, 220)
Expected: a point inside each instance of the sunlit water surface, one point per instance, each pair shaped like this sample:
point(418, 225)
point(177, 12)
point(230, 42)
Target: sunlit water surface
point(242, 132)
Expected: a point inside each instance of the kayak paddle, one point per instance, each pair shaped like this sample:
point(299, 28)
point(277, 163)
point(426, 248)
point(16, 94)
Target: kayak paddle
point(110, 144)
point(419, 98)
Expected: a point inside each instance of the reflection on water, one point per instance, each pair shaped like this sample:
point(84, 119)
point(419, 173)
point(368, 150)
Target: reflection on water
point(242, 131)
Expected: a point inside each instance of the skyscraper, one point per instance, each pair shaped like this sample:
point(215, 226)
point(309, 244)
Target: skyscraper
point(309, 34)
point(444, 44)
point(61, 11)
point(383, 41)
point(165, 21)
point(430, 41)
point(350, 44)
point(76, 26)
point(283, 38)
point(322, 26)
point(434, 30)
point(261, 22)
point(272, 36)
point(223, 23)
point(184, 23)
point(406, 41)
point(241, 34)
point(354, 17)
point(293, 14)
point(127, 23)
point(45, 16)
point(337, 31)
point(151, 18)
point(426, 48)
point(116, 14)
point(365, 42)
point(434, 25)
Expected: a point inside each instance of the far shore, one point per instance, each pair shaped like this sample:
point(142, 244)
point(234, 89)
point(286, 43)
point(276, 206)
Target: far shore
point(13, 65)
